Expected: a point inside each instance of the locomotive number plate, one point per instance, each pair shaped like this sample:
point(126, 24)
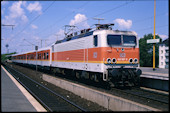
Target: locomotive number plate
point(95, 55)
point(122, 55)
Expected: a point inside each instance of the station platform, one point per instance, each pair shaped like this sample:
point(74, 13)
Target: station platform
point(14, 97)
point(156, 79)
point(158, 73)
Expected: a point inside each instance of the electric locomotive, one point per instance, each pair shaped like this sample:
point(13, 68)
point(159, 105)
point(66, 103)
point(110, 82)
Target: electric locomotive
point(102, 54)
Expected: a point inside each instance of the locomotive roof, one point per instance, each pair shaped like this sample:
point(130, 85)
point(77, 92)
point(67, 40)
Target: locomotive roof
point(91, 33)
point(75, 37)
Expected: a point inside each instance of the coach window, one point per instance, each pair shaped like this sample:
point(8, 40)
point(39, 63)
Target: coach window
point(40, 56)
point(95, 40)
point(44, 55)
point(34, 56)
point(47, 55)
point(53, 48)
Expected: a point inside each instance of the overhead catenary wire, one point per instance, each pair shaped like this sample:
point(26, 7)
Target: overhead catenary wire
point(126, 3)
point(158, 27)
point(150, 17)
point(33, 20)
point(85, 19)
point(107, 11)
point(61, 19)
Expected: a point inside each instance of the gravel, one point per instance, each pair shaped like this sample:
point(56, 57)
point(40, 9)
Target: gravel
point(37, 76)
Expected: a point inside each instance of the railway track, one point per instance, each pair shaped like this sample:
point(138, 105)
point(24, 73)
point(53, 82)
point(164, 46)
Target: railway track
point(150, 98)
point(149, 95)
point(153, 99)
point(146, 97)
point(51, 100)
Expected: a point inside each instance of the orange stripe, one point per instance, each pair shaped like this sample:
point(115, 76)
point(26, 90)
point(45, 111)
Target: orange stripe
point(96, 54)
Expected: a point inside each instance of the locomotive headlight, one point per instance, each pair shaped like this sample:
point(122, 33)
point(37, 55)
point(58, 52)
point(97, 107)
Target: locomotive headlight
point(114, 60)
point(135, 60)
point(109, 60)
point(130, 60)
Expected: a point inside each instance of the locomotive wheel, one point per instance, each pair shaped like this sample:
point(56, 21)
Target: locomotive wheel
point(92, 76)
point(77, 75)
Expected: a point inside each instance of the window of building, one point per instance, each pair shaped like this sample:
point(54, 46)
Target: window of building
point(161, 51)
point(167, 51)
point(161, 57)
point(161, 63)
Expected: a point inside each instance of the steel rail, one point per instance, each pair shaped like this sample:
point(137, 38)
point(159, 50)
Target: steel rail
point(68, 101)
point(143, 94)
point(132, 93)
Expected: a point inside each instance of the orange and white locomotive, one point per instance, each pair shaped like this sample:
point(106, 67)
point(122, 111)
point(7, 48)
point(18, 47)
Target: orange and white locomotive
point(102, 54)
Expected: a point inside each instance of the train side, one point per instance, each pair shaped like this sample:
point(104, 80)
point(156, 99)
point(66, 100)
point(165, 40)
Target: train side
point(91, 53)
point(77, 54)
point(43, 57)
point(100, 55)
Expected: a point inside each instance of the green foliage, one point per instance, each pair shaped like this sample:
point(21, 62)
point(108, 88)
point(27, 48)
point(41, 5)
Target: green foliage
point(3, 56)
point(146, 51)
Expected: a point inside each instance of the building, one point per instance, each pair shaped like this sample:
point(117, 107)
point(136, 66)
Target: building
point(164, 54)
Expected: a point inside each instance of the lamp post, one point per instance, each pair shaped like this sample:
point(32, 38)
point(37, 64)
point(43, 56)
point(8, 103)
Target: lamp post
point(36, 48)
point(154, 41)
point(154, 36)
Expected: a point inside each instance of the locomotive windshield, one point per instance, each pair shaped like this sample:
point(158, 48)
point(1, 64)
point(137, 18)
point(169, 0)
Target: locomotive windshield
point(129, 40)
point(126, 40)
point(114, 39)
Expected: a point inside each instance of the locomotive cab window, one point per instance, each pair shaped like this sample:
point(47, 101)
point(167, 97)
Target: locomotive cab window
point(129, 40)
point(114, 39)
point(95, 40)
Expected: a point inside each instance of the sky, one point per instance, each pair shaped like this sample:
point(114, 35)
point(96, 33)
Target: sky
point(25, 24)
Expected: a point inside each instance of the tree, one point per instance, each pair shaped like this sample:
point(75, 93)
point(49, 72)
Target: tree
point(146, 51)
point(4, 58)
